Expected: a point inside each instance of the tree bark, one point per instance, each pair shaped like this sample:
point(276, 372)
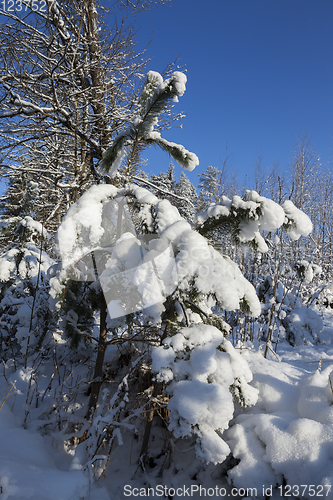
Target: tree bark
point(158, 387)
point(149, 422)
point(98, 373)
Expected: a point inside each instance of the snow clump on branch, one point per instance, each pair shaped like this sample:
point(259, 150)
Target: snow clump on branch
point(157, 98)
point(298, 223)
point(203, 373)
point(253, 213)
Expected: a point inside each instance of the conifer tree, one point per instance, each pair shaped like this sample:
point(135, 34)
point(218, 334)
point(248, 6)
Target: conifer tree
point(24, 291)
point(166, 183)
point(156, 98)
point(185, 189)
point(209, 185)
point(167, 285)
point(18, 202)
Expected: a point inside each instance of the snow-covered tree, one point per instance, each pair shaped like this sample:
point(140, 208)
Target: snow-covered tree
point(181, 194)
point(24, 293)
point(209, 186)
point(68, 86)
point(18, 200)
point(165, 183)
point(160, 274)
point(17, 203)
point(304, 168)
point(185, 189)
point(174, 274)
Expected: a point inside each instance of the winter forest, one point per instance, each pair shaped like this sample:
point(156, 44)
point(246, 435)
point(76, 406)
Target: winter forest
point(157, 339)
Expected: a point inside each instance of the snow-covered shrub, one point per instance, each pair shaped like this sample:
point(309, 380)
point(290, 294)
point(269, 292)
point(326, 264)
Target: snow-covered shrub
point(157, 269)
point(290, 320)
point(204, 376)
point(273, 297)
point(307, 270)
point(175, 268)
point(24, 293)
point(303, 326)
point(326, 295)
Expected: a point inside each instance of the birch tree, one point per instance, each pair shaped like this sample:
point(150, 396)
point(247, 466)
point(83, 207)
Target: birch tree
point(68, 86)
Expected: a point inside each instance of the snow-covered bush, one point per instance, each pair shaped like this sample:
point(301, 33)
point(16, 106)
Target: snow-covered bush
point(24, 294)
point(292, 320)
point(307, 270)
point(246, 219)
point(303, 326)
point(204, 375)
point(325, 296)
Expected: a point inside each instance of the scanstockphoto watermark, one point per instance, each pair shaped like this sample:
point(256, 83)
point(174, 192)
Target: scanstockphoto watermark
point(136, 271)
point(165, 491)
point(25, 6)
point(283, 491)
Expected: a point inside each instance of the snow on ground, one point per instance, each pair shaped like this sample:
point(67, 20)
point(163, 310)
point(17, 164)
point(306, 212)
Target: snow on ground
point(288, 433)
point(30, 468)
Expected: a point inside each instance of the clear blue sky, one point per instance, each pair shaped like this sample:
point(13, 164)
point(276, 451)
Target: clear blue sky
point(260, 75)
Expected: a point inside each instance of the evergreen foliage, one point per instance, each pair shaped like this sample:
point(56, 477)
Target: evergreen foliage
point(165, 182)
point(156, 98)
point(209, 186)
point(78, 305)
point(24, 292)
point(17, 203)
point(187, 191)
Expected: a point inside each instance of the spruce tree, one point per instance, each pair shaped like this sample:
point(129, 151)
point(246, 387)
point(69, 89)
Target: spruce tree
point(18, 202)
point(26, 319)
point(188, 206)
point(209, 186)
point(166, 183)
point(161, 280)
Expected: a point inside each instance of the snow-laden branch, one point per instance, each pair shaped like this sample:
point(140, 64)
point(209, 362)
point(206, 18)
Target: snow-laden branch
point(156, 98)
point(198, 264)
point(164, 191)
point(245, 217)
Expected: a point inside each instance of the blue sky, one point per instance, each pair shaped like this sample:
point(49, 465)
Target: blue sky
point(259, 76)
